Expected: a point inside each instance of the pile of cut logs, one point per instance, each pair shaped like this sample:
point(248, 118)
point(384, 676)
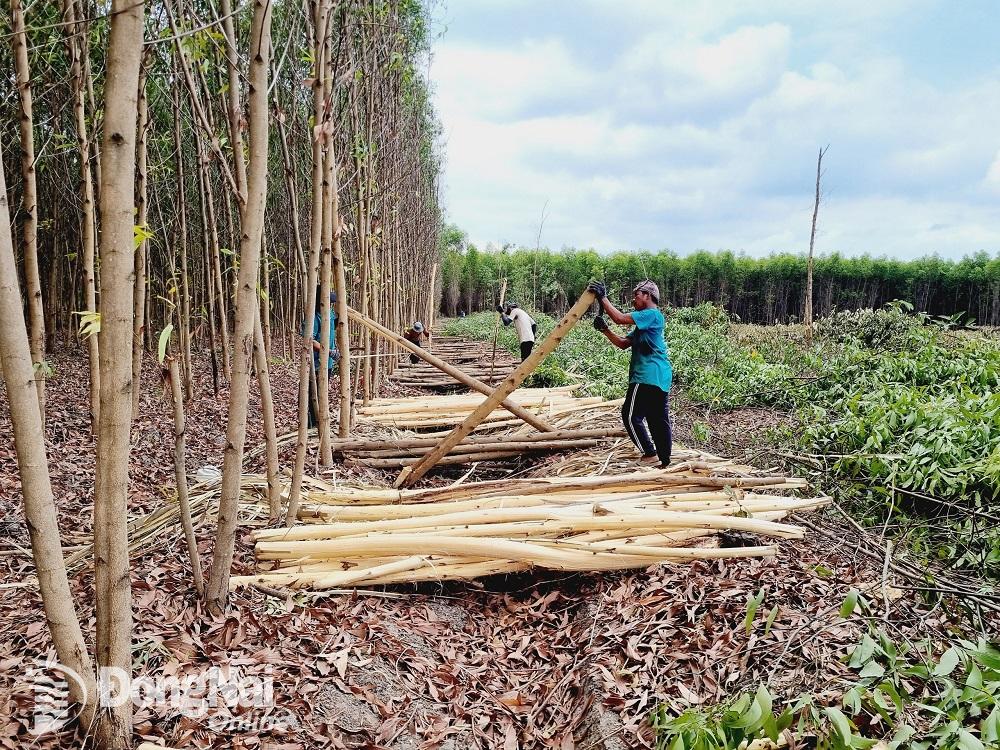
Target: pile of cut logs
point(475, 358)
point(395, 454)
point(429, 412)
point(369, 536)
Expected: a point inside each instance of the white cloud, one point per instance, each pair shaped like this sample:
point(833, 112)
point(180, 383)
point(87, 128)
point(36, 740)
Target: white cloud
point(992, 179)
point(500, 82)
point(700, 130)
point(692, 73)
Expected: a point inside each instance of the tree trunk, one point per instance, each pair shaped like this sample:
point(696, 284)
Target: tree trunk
point(807, 313)
point(29, 228)
point(111, 577)
point(89, 222)
point(320, 49)
point(142, 211)
point(246, 305)
point(33, 467)
point(180, 474)
point(267, 414)
point(182, 284)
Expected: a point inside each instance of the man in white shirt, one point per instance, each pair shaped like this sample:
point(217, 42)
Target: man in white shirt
point(523, 324)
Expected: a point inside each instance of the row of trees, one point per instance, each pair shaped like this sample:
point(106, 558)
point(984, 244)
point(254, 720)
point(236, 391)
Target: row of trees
point(188, 185)
point(189, 175)
point(759, 290)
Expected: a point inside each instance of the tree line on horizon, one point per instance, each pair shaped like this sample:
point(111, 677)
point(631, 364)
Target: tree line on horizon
point(758, 290)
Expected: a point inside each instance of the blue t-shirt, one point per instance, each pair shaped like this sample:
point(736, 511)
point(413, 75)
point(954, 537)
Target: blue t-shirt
point(649, 364)
point(317, 328)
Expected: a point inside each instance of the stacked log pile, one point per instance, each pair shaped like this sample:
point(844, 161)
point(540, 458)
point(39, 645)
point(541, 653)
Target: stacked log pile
point(394, 454)
point(370, 536)
point(432, 412)
point(475, 358)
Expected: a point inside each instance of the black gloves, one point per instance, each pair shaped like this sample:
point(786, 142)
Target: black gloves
point(534, 327)
point(598, 288)
point(499, 308)
point(600, 324)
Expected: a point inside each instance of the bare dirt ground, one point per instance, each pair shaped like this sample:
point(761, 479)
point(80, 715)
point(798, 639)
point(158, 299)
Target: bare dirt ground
point(528, 661)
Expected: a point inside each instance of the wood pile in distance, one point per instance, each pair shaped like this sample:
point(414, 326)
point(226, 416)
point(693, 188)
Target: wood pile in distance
point(475, 358)
point(430, 412)
point(394, 454)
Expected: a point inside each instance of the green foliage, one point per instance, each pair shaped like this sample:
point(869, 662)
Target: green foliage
point(747, 717)
point(705, 315)
point(163, 342)
point(904, 695)
point(891, 328)
point(90, 322)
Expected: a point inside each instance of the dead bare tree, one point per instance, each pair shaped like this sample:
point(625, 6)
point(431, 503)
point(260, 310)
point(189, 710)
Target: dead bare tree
point(807, 315)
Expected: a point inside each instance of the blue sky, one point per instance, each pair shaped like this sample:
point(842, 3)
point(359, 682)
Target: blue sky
point(650, 124)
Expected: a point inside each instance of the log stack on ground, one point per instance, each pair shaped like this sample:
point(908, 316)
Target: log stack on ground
point(474, 358)
point(434, 412)
point(370, 536)
point(394, 454)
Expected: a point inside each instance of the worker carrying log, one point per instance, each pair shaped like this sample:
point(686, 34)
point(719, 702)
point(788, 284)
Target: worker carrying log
point(415, 334)
point(524, 324)
point(650, 375)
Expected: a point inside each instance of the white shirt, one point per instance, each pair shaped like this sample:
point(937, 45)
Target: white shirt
point(522, 322)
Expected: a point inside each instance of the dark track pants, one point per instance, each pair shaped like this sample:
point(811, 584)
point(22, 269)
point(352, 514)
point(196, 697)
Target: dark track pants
point(314, 398)
point(648, 406)
point(526, 347)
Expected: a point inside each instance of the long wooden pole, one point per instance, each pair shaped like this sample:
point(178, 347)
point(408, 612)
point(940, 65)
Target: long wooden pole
point(461, 377)
point(411, 474)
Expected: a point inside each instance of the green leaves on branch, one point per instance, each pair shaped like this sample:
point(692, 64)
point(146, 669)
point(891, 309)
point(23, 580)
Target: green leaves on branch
point(164, 341)
point(90, 323)
point(140, 234)
point(902, 700)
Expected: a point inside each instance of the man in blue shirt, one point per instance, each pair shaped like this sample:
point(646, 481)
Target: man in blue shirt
point(317, 330)
point(647, 402)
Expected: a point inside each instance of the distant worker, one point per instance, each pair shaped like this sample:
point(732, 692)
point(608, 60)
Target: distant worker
point(524, 324)
point(647, 402)
point(317, 347)
point(414, 335)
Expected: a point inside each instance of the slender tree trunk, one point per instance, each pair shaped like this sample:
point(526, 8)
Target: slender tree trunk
point(180, 474)
point(29, 228)
point(220, 293)
point(323, 372)
point(267, 414)
point(320, 49)
point(184, 334)
point(265, 302)
point(233, 92)
point(33, 467)
point(246, 305)
point(807, 317)
point(111, 577)
point(89, 221)
point(142, 211)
